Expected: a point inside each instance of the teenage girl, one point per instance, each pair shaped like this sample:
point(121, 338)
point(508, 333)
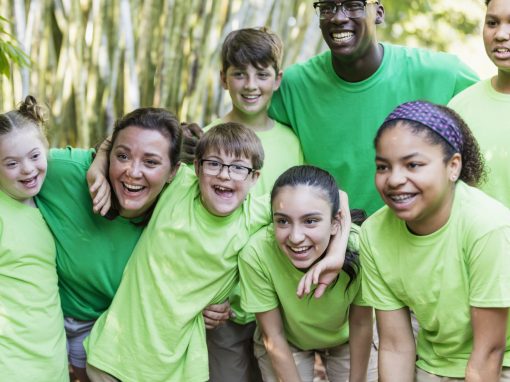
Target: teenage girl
point(305, 208)
point(440, 248)
point(32, 340)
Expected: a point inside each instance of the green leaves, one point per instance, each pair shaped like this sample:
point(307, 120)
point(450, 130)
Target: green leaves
point(9, 52)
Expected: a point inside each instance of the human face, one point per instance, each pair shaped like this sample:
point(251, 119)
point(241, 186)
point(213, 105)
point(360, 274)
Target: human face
point(219, 193)
point(414, 180)
point(303, 223)
point(139, 168)
point(250, 88)
point(23, 164)
point(496, 34)
point(352, 39)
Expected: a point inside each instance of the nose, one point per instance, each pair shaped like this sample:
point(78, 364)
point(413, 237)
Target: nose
point(134, 170)
point(224, 174)
point(250, 82)
point(396, 178)
point(296, 235)
point(503, 33)
point(339, 16)
point(28, 167)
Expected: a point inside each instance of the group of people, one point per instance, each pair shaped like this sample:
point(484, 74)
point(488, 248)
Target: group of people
point(246, 264)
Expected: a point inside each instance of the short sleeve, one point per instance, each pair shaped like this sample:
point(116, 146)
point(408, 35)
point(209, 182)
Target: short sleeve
point(278, 110)
point(257, 290)
point(489, 270)
point(465, 77)
point(375, 291)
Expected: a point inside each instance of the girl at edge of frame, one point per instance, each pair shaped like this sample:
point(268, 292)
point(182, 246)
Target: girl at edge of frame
point(32, 340)
point(440, 248)
point(305, 208)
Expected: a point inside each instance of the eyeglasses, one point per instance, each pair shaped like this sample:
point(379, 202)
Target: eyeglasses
point(235, 171)
point(352, 9)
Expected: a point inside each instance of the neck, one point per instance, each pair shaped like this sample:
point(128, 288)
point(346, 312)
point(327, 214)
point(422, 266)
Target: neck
point(501, 82)
point(30, 202)
point(256, 122)
point(360, 68)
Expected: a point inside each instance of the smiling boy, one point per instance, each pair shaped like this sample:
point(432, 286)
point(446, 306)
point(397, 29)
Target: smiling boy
point(336, 100)
point(486, 106)
point(185, 260)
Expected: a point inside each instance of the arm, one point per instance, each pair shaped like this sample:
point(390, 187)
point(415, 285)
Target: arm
point(360, 341)
point(191, 133)
point(489, 344)
point(99, 188)
point(326, 271)
point(216, 315)
point(277, 347)
point(397, 350)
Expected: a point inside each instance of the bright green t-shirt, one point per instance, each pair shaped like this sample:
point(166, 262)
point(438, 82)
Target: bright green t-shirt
point(442, 275)
point(487, 113)
point(92, 251)
point(32, 339)
point(269, 280)
point(336, 121)
point(185, 260)
point(281, 152)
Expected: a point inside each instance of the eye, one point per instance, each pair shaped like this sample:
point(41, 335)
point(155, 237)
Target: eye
point(311, 221)
point(238, 74)
point(414, 165)
point(236, 167)
point(11, 164)
point(213, 164)
point(353, 6)
point(122, 157)
point(491, 22)
point(35, 156)
point(380, 167)
point(264, 75)
point(280, 221)
point(152, 162)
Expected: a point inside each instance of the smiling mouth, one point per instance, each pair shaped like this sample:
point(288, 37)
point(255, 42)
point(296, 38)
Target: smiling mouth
point(401, 198)
point(132, 187)
point(30, 182)
point(223, 192)
point(299, 251)
point(341, 36)
point(251, 97)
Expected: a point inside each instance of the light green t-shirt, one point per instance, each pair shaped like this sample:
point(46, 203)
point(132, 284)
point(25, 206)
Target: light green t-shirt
point(92, 251)
point(487, 114)
point(281, 152)
point(440, 276)
point(32, 339)
point(336, 121)
point(269, 280)
point(185, 260)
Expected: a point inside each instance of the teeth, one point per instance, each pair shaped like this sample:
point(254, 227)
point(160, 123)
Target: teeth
point(502, 50)
point(340, 36)
point(299, 249)
point(132, 187)
point(251, 96)
point(219, 188)
point(401, 198)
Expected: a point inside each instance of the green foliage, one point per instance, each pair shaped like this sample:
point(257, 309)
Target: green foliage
point(9, 52)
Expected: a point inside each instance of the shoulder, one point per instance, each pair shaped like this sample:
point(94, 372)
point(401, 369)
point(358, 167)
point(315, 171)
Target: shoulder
point(259, 247)
point(311, 67)
point(478, 213)
point(71, 155)
point(425, 59)
point(257, 211)
point(469, 95)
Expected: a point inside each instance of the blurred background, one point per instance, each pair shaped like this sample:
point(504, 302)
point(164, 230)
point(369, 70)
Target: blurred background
point(91, 61)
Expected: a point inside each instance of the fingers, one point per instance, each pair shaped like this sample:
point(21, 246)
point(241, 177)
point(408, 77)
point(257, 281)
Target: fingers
point(101, 195)
point(319, 291)
point(191, 133)
point(305, 284)
point(216, 315)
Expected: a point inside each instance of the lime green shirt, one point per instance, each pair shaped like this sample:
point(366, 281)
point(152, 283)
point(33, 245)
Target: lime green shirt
point(281, 152)
point(32, 339)
point(185, 260)
point(441, 276)
point(487, 113)
point(269, 281)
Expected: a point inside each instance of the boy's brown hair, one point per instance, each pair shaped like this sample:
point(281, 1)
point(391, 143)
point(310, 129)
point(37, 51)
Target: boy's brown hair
point(232, 139)
point(256, 46)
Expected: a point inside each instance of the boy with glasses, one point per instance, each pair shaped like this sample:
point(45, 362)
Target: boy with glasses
point(251, 72)
point(486, 106)
point(336, 100)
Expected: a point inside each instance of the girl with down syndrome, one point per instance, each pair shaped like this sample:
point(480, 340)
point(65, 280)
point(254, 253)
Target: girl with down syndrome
point(305, 209)
point(439, 247)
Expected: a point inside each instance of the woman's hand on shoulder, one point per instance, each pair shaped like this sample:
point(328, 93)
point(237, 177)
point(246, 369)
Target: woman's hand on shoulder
point(100, 191)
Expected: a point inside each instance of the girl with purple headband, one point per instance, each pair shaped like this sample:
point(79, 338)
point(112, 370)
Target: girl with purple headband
point(441, 248)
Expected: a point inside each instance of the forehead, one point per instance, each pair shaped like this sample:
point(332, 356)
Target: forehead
point(500, 8)
point(300, 199)
point(225, 156)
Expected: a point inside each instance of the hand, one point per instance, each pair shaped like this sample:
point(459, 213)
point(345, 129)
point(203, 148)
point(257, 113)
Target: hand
point(217, 315)
point(100, 192)
point(326, 270)
point(191, 133)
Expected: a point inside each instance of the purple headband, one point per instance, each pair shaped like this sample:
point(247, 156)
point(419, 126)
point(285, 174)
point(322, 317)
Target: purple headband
point(431, 116)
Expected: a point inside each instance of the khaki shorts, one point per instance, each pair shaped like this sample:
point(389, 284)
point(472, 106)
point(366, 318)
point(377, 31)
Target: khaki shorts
point(336, 361)
point(423, 376)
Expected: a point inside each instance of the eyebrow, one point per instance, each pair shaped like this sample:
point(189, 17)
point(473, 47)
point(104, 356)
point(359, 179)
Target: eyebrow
point(242, 162)
point(144, 154)
point(303, 216)
point(377, 157)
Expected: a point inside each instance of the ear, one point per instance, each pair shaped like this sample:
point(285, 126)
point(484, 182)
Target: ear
point(454, 167)
point(255, 177)
point(223, 79)
point(335, 224)
point(173, 172)
point(379, 13)
point(197, 167)
point(278, 80)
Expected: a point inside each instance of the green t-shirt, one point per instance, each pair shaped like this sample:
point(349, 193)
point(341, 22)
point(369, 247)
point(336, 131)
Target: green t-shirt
point(281, 152)
point(487, 113)
point(336, 121)
point(185, 260)
point(92, 251)
point(269, 280)
point(32, 339)
point(440, 276)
